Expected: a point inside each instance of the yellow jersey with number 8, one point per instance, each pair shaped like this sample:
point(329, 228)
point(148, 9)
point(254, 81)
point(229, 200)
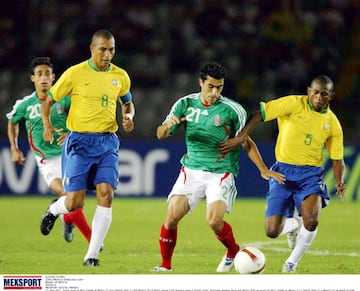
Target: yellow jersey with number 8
point(94, 96)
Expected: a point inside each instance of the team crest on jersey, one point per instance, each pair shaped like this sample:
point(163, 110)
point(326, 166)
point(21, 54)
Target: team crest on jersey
point(58, 109)
point(217, 120)
point(326, 126)
point(114, 82)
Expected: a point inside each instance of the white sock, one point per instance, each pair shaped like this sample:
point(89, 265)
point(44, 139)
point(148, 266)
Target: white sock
point(290, 225)
point(59, 206)
point(303, 242)
point(100, 226)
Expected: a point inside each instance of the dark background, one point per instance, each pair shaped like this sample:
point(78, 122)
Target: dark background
point(270, 49)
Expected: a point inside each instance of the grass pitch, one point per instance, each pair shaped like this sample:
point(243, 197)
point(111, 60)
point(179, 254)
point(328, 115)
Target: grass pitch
point(131, 246)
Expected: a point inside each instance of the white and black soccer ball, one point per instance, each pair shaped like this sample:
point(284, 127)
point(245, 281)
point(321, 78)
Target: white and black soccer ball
point(250, 260)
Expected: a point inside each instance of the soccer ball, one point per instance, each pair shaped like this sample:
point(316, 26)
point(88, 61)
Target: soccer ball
point(249, 260)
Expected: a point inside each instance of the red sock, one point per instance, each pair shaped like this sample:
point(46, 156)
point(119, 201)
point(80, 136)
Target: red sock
point(167, 242)
point(227, 238)
point(77, 217)
point(68, 218)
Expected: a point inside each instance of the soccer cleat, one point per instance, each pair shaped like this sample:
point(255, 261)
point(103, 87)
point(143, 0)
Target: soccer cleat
point(291, 236)
point(48, 220)
point(92, 262)
point(288, 267)
point(161, 269)
point(68, 232)
point(226, 265)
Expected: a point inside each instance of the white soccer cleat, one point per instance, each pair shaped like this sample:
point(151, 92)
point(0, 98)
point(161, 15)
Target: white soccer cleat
point(291, 236)
point(161, 269)
point(288, 267)
point(226, 265)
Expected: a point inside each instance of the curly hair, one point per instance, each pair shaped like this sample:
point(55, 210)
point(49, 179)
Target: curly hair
point(214, 70)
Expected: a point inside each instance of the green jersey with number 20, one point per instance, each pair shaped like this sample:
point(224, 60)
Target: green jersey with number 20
point(29, 110)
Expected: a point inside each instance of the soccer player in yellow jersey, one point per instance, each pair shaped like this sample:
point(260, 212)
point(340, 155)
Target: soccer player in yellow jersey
point(91, 148)
point(306, 125)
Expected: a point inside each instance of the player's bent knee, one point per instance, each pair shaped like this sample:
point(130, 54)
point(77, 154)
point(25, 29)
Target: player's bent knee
point(216, 225)
point(73, 205)
point(311, 224)
point(173, 219)
point(272, 233)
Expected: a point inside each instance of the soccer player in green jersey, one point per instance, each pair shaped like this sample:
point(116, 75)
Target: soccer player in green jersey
point(306, 125)
point(208, 118)
point(91, 150)
point(48, 156)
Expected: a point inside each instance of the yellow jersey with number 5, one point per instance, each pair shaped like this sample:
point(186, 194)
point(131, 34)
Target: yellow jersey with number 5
point(303, 132)
point(94, 96)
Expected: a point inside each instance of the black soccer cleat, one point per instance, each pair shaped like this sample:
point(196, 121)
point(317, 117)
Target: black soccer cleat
point(48, 220)
point(91, 262)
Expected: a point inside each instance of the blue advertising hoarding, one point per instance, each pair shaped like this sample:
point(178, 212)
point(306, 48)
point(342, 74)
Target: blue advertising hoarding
point(149, 169)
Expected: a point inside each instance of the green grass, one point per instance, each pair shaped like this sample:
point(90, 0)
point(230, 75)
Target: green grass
point(131, 246)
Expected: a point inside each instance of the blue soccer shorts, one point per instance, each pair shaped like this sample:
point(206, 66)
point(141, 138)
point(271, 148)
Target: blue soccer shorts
point(301, 181)
point(89, 159)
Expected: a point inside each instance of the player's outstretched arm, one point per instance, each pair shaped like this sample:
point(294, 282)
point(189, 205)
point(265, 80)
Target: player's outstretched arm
point(17, 155)
point(128, 113)
point(163, 130)
point(48, 134)
point(339, 173)
point(252, 151)
point(233, 143)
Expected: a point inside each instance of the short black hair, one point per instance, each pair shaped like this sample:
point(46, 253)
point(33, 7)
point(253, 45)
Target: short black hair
point(103, 33)
point(324, 80)
point(214, 70)
point(40, 61)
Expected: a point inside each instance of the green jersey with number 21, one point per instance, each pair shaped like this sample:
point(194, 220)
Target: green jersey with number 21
point(205, 128)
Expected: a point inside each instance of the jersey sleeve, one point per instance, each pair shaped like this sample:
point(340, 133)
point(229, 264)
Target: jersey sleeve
point(67, 102)
point(178, 109)
point(241, 118)
point(335, 144)
point(278, 107)
point(62, 87)
point(125, 89)
point(18, 111)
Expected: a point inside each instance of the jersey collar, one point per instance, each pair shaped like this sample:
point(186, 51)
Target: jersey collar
point(92, 66)
point(312, 107)
point(37, 96)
